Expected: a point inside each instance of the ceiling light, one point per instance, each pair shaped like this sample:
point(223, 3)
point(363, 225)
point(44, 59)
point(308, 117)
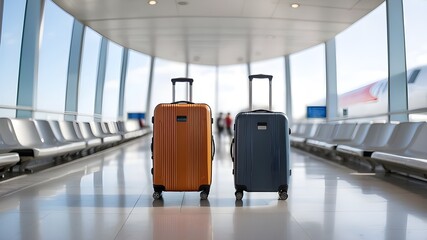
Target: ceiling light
point(152, 2)
point(295, 5)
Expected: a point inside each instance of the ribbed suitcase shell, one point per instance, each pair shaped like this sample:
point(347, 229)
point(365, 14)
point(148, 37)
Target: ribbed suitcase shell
point(182, 147)
point(261, 146)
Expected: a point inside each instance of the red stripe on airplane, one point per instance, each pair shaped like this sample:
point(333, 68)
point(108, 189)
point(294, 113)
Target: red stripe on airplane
point(359, 95)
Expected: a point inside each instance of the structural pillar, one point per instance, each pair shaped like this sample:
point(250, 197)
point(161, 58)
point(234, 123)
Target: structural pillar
point(187, 86)
point(1, 17)
point(73, 75)
point(288, 90)
point(100, 81)
point(331, 80)
point(29, 59)
point(397, 76)
point(123, 74)
point(149, 90)
point(216, 91)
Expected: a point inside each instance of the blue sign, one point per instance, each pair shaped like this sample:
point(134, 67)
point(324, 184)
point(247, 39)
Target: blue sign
point(136, 115)
point(316, 111)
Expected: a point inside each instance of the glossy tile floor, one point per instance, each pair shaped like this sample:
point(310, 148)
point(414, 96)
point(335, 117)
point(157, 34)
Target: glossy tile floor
point(109, 196)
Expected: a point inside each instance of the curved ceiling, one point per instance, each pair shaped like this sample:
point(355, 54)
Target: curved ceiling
point(218, 32)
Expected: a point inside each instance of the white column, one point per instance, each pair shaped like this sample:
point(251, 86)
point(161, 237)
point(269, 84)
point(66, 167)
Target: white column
point(29, 62)
point(1, 17)
point(73, 75)
point(288, 90)
point(331, 80)
point(123, 74)
point(102, 65)
point(149, 90)
point(397, 83)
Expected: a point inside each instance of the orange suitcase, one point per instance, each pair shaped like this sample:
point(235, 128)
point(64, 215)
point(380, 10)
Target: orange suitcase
point(182, 146)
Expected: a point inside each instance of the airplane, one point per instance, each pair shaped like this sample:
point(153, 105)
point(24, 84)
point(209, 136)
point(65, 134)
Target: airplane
point(372, 99)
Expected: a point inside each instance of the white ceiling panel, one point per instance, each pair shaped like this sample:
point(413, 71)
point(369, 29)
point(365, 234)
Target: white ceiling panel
point(218, 32)
point(367, 4)
point(208, 8)
point(344, 4)
point(259, 9)
point(318, 14)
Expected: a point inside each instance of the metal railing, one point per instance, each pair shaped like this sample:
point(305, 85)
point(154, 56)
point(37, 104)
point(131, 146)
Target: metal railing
point(422, 111)
point(44, 111)
point(387, 114)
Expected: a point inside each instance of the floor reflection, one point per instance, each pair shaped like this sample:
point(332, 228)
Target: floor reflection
point(109, 196)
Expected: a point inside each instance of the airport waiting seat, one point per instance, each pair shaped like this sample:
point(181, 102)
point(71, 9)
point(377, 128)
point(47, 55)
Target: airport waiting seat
point(48, 137)
point(412, 159)
point(54, 125)
point(401, 137)
point(9, 147)
point(377, 136)
point(71, 133)
point(107, 139)
point(21, 136)
point(325, 132)
point(299, 133)
point(84, 131)
point(295, 128)
point(8, 141)
point(27, 141)
point(133, 129)
point(112, 129)
point(343, 132)
point(347, 133)
point(305, 130)
point(7, 160)
point(56, 128)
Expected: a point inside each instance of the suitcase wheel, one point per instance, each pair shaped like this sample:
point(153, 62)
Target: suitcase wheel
point(239, 195)
point(157, 195)
point(204, 195)
point(283, 195)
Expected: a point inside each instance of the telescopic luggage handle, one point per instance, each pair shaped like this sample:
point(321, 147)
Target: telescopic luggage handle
point(260, 76)
point(187, 80)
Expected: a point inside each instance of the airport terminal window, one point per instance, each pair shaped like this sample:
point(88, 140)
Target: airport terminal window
point(233, 93)
point(204, 84)
point(416, 54)
point(88, 74)
point(275, 67)
point(308, 76)
point(361, 61)
point(110, 101)
point(10, 50)
point(164, 71)
point(136, 87)
point(53, 60)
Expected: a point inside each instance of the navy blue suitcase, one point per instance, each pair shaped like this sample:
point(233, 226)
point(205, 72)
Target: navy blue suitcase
point(260, 150)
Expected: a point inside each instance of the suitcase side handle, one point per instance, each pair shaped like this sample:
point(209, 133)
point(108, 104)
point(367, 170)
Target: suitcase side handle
point(260, 76)
point(185, 80)
point(213, 148)
point(231, 150)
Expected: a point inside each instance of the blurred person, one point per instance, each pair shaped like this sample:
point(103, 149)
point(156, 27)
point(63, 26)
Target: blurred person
point(228, 124)
point(220, 124)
